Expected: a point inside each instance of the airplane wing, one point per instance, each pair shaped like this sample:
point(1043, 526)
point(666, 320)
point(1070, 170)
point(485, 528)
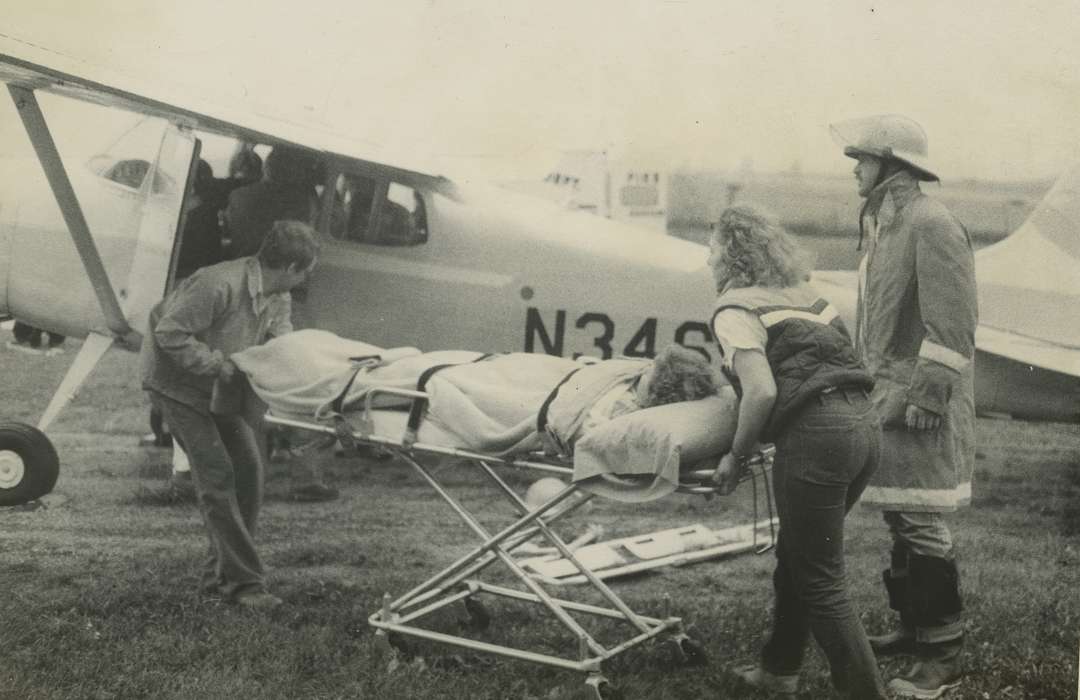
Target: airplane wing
point(32, 67)
point(29, 68)
point(1008, 340)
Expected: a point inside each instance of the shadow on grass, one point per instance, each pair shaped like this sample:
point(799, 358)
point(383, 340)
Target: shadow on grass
point(161, 496)
point(320, 555)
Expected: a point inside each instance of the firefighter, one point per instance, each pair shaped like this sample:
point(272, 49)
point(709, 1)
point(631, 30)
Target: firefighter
point(915, 330)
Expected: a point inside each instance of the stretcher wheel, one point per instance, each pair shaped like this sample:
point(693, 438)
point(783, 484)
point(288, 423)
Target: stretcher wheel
point(609, 692)
point(688, 651)
point(401, 645)
point(29, 465)
point(692, 652)
point(603, 689)
point(479, 617)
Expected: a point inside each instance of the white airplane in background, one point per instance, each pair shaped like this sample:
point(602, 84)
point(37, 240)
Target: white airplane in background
point(624, 188)
point(464, 267)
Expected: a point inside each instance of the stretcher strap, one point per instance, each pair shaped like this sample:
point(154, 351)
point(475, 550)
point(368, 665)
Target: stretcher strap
point(541, 417)
point(362, 362)
point(416, 410)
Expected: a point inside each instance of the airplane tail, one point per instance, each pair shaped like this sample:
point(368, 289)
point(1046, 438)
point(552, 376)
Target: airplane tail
point(1029, 283)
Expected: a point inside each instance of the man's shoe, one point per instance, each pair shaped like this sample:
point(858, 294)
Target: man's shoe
point(899, 641)
point(928, 679)
point(257, 600)
point(314, 492)
point(755, 675)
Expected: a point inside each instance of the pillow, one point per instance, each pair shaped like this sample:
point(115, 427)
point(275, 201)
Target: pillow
point(652, 445)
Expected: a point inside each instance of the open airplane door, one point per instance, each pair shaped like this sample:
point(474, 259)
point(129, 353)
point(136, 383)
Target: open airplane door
point(120, 259)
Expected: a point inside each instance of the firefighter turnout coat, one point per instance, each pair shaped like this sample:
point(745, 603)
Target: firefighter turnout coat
point(915, 329)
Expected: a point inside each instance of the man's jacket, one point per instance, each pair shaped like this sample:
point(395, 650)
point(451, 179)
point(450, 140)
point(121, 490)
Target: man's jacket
point(217, 311)
point(915, 329)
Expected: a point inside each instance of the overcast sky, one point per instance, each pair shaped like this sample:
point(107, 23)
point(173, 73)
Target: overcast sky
point(712, 83)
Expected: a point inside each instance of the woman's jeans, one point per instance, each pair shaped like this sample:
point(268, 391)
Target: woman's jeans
point(823, 461)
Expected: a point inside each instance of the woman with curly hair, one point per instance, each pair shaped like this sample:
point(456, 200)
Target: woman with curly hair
point(802, 387)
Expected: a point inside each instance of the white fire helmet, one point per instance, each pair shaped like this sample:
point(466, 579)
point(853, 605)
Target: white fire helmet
point(886, 136)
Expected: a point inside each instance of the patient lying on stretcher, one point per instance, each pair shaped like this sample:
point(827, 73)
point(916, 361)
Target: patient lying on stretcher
point(620, 416)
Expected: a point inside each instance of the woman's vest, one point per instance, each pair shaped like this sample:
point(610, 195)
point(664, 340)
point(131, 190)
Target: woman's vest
point(808, 348)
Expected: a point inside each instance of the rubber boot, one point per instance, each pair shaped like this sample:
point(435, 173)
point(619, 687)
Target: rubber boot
point(898, 585)
point(937, 670)
point(939, 632)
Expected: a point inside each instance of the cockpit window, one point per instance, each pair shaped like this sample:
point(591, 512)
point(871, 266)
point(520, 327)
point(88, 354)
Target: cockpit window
point(130, 158)
point(368, 210)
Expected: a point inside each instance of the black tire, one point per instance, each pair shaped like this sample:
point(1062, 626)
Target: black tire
point(29, 465)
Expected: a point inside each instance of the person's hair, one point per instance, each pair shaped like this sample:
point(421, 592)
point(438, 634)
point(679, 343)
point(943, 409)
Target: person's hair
point(203, 184)
point(757, 251)
point(679, 374)
point(289, 243)
point(246, 162)
point(290, 165)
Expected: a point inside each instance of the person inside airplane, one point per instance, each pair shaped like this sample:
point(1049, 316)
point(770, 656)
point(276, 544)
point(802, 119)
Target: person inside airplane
point(285, 192)
point(245, 167)
point(200, 243)
point(803, 388)
point(217, 311)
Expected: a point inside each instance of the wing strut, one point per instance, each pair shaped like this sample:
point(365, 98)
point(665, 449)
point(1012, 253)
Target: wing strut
point(38, 131)
point(92, 349)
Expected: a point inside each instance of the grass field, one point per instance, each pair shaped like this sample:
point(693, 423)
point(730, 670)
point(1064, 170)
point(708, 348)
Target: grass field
point(98, 587)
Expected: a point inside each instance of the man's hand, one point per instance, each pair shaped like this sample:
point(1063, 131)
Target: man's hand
point(727, 474)
point(227, 371)
point(918, 418)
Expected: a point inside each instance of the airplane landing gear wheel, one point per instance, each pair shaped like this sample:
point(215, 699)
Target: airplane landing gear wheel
point(29, 465)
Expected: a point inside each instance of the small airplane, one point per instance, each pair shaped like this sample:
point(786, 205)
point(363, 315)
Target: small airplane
point(417, 259)
point(425, 261)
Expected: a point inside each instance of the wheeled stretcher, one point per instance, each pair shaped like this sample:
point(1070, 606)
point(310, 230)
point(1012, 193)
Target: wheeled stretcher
point(404, 435)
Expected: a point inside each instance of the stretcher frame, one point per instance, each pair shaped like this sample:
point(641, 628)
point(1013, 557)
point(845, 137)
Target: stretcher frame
point(458, 582)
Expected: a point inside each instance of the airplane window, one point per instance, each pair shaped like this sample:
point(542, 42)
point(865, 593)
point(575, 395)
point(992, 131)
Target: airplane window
point(129, 173)
point(128, 160)
point(351, 217)
point(403, 220)
point(400, 218)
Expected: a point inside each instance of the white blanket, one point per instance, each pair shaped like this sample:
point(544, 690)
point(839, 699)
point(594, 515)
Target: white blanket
point(492, 405)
